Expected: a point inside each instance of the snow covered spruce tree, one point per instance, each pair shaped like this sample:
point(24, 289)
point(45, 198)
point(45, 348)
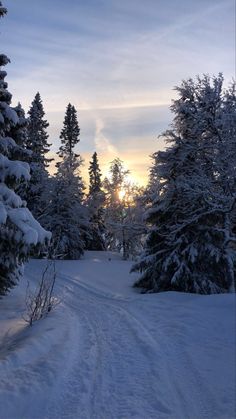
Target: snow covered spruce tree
point(19, 231)
point(67, 216)
point(19, 131)
point(189, 247)
point(226, 156)
point(37, 196)
point(95, 204)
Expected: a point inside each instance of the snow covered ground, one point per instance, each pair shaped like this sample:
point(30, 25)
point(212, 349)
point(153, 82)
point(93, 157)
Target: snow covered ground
point(109, 352)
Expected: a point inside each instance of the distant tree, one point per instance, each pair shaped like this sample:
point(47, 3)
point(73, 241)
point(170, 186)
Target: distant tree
point(189, 247)
point(95, 204)
point(123, 219)
point(37, 198)
point(130, 230)
point(67, 217)
point(112, 187)
point(19, 231)
point(95, 182)
point(70, 132)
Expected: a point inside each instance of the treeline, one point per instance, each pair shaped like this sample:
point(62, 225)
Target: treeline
point(43, 215)
point(184, 221)
point(106, 217)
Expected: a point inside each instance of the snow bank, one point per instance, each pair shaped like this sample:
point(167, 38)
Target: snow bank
point(108, 352)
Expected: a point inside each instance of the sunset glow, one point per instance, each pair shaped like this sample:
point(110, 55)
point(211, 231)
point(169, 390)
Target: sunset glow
point(118, 69)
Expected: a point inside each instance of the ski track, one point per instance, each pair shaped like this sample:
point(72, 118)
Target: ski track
point(129, 371)
point(127, 357)
point(112, 365)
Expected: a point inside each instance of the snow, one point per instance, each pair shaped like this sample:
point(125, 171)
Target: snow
point(3, 214)
point(11, 115)
point(109, 352)
point(32, 231)
point(15, 168)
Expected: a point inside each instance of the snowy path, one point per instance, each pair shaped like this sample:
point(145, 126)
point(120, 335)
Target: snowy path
point(121, 376)
point(121, 355)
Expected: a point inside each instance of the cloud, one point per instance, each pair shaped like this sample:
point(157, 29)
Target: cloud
point(103, 144)
point(117, 62)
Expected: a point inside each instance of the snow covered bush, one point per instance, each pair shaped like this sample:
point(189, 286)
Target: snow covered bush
point(19, 231)
point(190, 246)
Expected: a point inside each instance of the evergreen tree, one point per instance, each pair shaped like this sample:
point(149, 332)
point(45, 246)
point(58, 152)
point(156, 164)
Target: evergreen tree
point(39, 147)
point(19, 231)
point(95, 203)
point(70, 132)
point(67, 216)
point(37, 132)
point(95, 183)
point(189, 246)
point(20, 131)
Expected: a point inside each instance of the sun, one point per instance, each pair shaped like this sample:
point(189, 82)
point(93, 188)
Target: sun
point(121, 194)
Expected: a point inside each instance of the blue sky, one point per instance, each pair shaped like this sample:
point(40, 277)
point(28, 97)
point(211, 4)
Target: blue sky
point(117, 62)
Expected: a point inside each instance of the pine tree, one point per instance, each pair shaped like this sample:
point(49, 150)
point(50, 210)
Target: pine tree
point(95, 203)
point(189, 245)
point(19, 131)
point(19, 231)
point(38, 145)
point(95, 183)
point(67, 216)
point(70, 132)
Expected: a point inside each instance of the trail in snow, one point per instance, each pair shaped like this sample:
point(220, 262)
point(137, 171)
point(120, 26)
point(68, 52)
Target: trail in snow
point(111, 353)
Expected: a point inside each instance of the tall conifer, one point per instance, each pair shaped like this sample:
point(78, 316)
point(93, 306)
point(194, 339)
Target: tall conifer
point(19, 231)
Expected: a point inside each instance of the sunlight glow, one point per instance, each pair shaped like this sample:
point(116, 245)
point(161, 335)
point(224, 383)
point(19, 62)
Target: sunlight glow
point(121, 194)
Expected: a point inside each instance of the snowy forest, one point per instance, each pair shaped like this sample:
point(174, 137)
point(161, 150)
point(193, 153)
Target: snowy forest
point(177, 233)
point(181, 226)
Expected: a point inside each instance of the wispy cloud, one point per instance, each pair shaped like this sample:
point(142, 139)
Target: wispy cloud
point(102, 143)
point(117, 62)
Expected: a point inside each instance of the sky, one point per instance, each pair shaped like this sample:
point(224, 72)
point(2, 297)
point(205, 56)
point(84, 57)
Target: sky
point(117, 62)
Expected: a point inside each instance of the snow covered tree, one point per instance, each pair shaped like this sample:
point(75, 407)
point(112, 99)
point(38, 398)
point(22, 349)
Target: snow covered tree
point(95, 204)
point(131, 229)
point(19, 231)
point(189, 247)
point(123, 220)
point(67, 217)
point(226, 135)
point(39, 146)
point(113, 206)
point(19, 131)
